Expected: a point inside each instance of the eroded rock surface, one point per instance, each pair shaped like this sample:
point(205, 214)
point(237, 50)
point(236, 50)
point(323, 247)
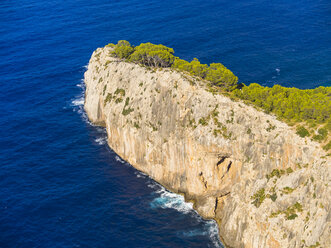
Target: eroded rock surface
point(263, 184)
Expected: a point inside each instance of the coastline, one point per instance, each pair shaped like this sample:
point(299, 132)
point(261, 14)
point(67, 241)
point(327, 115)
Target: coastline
point(225, 168)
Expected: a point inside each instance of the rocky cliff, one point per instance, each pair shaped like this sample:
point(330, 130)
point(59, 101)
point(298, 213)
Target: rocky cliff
point(263, 184)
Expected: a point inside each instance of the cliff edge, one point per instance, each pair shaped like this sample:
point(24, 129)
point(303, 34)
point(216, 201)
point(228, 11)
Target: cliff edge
point(262, 183)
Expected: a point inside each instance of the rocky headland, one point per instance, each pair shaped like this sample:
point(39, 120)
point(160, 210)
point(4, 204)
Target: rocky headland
point(263, 184)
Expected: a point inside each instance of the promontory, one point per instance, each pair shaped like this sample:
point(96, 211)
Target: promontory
point(265, 180)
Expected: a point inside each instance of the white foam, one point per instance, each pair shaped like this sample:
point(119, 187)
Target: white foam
point(81, 84)
point(118, 159)
point(154, 186)
point(140, 174)
point(209, 229)
point(168, 199)
point(213, 233)
point(171, 200)
point(101, 140)
point(78, 101)
point(77, 104)
point(101, 130)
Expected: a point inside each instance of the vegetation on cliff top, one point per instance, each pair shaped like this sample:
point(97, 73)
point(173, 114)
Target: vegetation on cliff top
point(161, 56)
point(311, 108)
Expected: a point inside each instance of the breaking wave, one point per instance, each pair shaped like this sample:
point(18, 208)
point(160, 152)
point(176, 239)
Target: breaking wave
point(171, 200)
point(164, 199)
point(210, 229)
point(168, 199)
point(101, 140)
point(118, 159)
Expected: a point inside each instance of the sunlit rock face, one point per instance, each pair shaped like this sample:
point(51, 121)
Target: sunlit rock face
point(263, 184)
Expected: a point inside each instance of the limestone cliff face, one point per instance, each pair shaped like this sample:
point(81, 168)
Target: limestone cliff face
point(263, 184)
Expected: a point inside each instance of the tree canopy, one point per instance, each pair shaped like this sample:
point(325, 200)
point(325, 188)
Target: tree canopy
point(290, 103)
point(311, 106)
point(216, 73)
point(122, 49)
point(161, 56)
point(153, 55)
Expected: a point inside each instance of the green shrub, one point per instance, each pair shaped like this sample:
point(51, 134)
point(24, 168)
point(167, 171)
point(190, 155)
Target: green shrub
point(290, 213)
point(258, 197)
point(108, 98)
point(271, 127)
point(322, 134)
point(216, 132)
point(125, 110)
point(291, 104)
point(302, 132)
point(153, 127)
point(328, 125)
point(292, 216)
point(287, 190)
point(327, 146)
point(203, 122)
point(273, 197)
point(119, 91)
point(122, 49)
point(215, 113)
point(118, 100)
point(275, 173)
point(136, 125)
point(317, 244)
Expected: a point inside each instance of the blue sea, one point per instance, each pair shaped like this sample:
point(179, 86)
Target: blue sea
point(60, 184)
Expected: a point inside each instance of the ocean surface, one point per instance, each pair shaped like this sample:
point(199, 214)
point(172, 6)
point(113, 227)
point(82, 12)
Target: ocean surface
point(60, 184)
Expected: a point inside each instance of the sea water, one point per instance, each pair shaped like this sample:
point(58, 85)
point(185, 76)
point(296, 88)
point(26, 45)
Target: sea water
point(60, 183)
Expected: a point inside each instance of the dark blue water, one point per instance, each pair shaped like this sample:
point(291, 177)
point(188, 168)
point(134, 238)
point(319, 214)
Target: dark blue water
point(60, 185)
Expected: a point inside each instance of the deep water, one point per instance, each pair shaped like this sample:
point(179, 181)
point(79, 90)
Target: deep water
point(60, 185)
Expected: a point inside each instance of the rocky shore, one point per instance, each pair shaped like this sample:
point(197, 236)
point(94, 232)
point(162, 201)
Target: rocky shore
point(263, 184)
